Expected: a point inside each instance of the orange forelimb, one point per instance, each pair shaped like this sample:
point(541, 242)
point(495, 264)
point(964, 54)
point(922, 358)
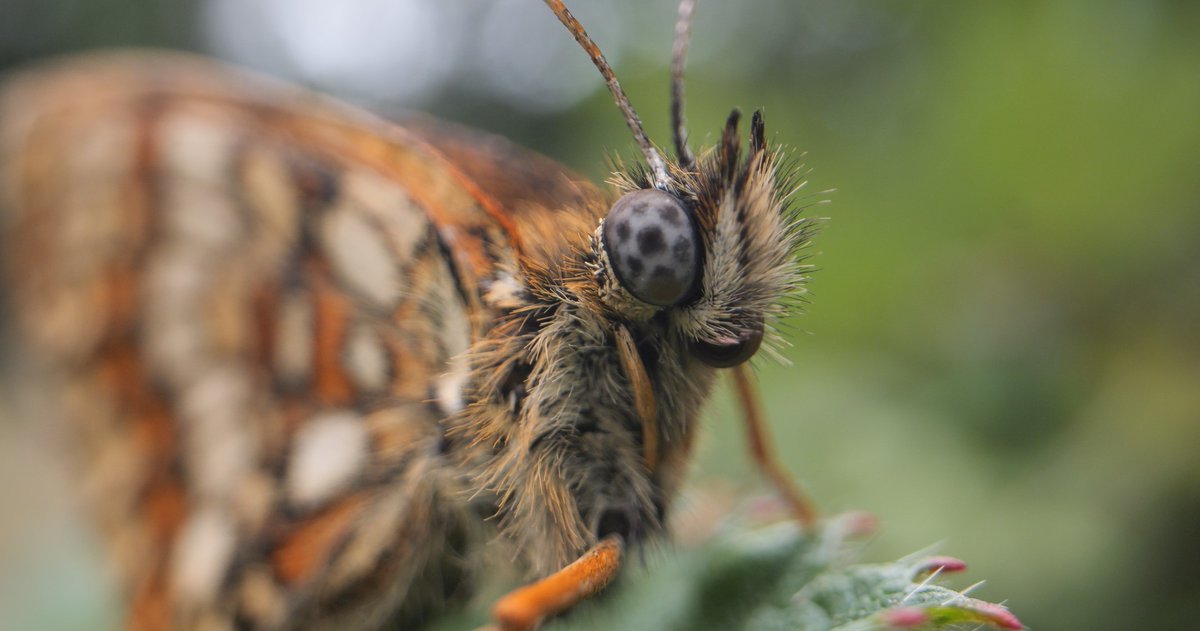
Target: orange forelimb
point(525, 608)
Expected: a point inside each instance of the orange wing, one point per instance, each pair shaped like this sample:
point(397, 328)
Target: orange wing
point(547, 209)
point(247, 301)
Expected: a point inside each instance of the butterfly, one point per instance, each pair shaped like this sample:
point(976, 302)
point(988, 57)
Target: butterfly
point(320, 367)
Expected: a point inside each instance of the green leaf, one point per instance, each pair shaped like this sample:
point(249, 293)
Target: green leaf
point(779, 578)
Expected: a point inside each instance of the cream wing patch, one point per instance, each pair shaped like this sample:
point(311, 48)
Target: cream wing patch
point(202, 554)
point(365, 359)
point(198, 142)
point(329, 452)
point(360, 257)
point(197, 154)
point(390, 207)
point(270, 192)
point(220, 445)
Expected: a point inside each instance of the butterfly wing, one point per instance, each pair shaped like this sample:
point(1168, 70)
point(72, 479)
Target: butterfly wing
point(549, 210)
point(248, 300)
point(519, 180)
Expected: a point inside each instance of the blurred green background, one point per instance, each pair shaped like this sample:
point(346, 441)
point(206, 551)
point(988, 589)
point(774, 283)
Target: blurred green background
point(1002, 350)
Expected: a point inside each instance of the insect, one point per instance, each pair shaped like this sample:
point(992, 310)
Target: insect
point(318, 365)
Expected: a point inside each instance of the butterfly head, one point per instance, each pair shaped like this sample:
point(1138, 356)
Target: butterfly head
point(713, 253)
point(706, 243)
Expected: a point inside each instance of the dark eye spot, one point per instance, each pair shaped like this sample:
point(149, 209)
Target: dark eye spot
point(671, 215)
point(650, 241)
point(623, 230)
point(635, 265)
point(682, 250)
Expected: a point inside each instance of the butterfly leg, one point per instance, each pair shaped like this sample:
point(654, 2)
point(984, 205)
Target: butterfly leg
point(526, 607)
point(760, 449)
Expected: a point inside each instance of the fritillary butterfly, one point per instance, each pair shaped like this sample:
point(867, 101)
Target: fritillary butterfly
point(317, 364)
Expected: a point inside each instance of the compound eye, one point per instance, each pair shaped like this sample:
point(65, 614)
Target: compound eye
point(653, 245)
point(732, 351)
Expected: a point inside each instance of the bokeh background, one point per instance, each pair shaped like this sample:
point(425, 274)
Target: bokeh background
point(1002, 349)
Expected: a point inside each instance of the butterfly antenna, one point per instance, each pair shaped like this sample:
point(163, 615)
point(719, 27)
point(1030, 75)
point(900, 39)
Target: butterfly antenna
point(657, 166)
point(683, 31)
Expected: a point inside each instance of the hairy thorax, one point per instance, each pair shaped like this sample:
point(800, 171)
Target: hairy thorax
point(551, 435)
